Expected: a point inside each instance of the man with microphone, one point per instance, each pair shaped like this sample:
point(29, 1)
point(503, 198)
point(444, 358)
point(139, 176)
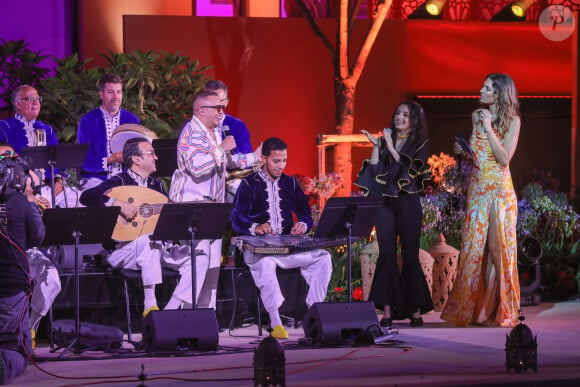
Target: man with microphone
point(232, 126)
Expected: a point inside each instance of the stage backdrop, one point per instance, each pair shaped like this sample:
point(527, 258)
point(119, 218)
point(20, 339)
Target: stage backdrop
point(280, 75)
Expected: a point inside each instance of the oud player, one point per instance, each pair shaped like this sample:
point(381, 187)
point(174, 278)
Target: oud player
point(141, 253)
point(266, 203)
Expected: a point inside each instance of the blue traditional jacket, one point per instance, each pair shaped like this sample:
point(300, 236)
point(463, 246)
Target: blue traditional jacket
point(92, 131)
point(240, 132)
point(260, 200)
point(12, 131)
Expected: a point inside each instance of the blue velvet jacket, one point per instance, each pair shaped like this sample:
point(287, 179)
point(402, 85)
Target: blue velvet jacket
point(238, 129)
point(12, 131)
point(92, 131)
point(260, 200)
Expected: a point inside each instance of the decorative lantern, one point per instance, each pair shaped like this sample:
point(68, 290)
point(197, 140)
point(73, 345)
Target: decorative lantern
point(269, 363)
point(521, 348)
point(444, 270)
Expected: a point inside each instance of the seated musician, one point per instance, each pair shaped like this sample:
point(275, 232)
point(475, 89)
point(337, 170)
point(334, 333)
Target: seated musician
point(142, 253)
point(265, 203)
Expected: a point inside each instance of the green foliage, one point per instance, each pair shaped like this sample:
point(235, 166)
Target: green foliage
point(18, 65)
point(70, 94)
point(337, 288)
point(158, 87)
point(549, 218)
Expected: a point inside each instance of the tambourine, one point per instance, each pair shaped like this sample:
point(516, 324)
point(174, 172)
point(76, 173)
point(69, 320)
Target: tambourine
point(127, 131)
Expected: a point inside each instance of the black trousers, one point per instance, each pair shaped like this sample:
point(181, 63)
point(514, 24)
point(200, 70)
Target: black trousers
point(404, 290)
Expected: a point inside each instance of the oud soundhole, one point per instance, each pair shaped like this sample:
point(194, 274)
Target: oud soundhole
point(134, 224)
point(130, 200)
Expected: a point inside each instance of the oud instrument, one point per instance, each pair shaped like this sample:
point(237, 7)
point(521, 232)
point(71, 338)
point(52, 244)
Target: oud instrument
point(148, 202)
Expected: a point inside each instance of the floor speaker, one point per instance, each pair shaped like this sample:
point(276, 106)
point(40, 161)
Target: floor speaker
point(338, 323)
point(180, 330)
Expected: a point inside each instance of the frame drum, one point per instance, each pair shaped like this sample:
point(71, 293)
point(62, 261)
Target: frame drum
point(127, 131)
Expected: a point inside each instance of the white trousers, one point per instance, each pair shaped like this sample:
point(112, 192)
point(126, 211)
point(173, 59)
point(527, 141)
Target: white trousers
point(46, 281)
point(141, 254)
point(315, 266)
point(207, 259)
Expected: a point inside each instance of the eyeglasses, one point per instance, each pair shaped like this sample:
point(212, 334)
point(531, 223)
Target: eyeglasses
point(219, 108)
point(152, 153)
point(32, 99)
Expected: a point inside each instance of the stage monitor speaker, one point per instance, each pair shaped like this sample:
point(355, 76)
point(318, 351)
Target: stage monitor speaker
point(338, 323)
point(180, 330)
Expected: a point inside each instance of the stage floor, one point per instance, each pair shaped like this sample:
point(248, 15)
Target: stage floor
point(433, 355)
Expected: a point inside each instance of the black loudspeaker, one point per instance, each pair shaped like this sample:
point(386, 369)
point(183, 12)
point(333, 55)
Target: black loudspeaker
point(338, 323)
point(180, 330)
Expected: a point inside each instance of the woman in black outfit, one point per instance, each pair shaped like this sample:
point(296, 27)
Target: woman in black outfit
point(397, 170)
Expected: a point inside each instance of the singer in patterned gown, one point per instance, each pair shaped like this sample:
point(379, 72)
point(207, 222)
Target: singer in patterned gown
point(486, 290)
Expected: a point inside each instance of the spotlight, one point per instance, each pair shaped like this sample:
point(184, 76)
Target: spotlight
point(430, 9)
point(515, 11)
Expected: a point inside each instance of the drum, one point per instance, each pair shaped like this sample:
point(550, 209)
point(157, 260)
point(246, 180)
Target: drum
point(127, 131)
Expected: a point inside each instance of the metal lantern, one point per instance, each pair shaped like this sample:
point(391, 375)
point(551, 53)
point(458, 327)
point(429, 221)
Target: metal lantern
point(521, 348)
point(269, 363)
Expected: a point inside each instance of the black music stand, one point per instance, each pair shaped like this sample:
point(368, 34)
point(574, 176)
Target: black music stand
point(350, 217)
point(192, 221)
point(55, 156)
point(83, 225)
point(166, 151)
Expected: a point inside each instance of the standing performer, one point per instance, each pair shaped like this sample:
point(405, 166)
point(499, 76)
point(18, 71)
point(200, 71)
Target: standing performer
point(202, 159)
point(397, 171)
point(486, 289)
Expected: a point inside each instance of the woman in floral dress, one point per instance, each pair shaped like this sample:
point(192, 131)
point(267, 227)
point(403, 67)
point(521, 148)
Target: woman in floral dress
point(486, 290)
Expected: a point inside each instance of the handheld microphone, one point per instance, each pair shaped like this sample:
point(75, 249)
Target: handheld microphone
point(226, 130)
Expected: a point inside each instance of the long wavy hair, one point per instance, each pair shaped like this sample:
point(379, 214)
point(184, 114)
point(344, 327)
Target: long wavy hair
point(508, 105)
point(417, 121)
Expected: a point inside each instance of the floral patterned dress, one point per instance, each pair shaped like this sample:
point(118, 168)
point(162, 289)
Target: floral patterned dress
point(483, 291)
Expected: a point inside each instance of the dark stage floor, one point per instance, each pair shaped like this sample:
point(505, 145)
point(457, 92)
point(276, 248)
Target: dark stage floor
point(433, 355)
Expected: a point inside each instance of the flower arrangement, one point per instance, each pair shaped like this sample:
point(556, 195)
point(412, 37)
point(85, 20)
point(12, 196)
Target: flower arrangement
point(319, 189)
point(444, 203)
point(548, 217)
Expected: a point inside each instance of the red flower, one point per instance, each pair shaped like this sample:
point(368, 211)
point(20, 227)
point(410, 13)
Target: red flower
point(357, 294)
point(339, 290)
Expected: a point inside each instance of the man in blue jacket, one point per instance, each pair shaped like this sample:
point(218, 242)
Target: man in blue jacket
point(96, 127)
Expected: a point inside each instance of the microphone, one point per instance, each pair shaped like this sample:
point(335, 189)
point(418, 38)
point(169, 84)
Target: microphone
point(226, 130)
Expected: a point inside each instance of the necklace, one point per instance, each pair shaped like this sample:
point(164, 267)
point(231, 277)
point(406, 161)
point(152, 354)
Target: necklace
point(403, 136)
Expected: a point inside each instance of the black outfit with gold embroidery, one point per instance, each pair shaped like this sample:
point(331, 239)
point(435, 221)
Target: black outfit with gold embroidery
point(400, 184)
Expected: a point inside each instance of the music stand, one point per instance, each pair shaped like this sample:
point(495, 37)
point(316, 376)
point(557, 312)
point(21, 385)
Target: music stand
point(350, 217)
point(192, 221)
point(55, 156)
point(166, 151)
point(82, 225)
